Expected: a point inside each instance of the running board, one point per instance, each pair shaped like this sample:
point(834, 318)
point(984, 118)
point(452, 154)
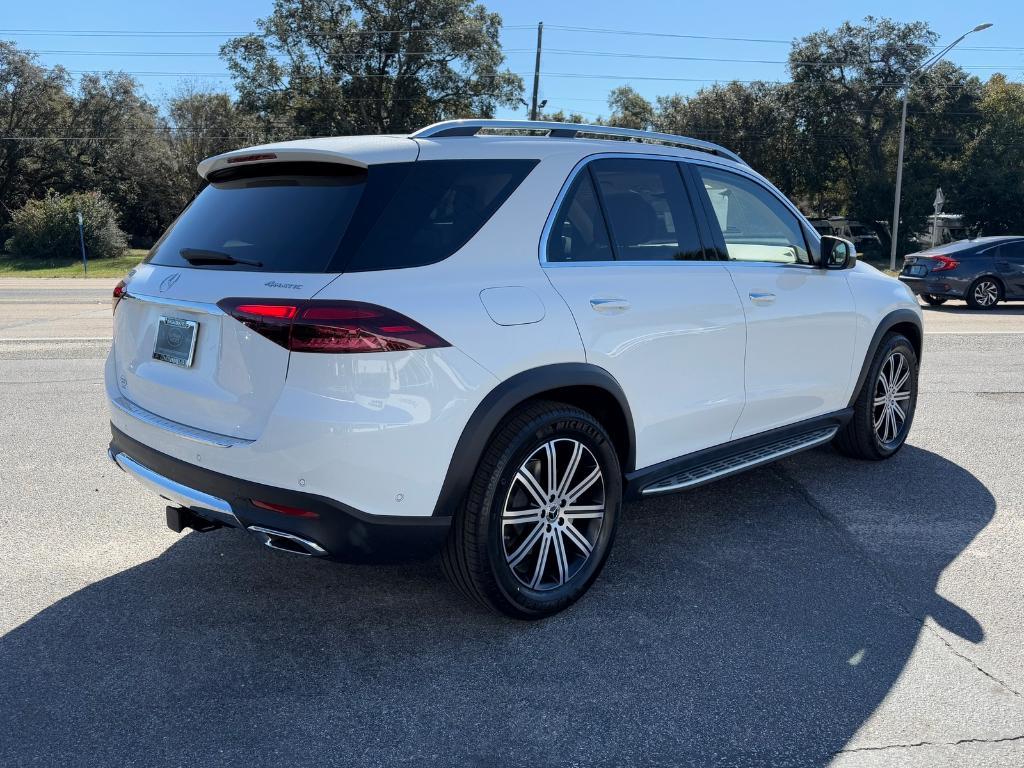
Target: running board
point(738, 462)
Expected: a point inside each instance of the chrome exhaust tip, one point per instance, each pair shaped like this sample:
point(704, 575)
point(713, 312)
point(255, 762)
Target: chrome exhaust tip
point(287, 542)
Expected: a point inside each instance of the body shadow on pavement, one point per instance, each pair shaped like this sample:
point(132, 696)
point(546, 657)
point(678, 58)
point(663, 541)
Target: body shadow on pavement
point(741, 623)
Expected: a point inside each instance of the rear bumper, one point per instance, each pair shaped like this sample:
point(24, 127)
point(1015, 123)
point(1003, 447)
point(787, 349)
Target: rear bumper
point(933, 287)
point(341, 532)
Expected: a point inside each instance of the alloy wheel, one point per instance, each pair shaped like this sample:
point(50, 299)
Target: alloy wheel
point(892, 396)
point(986, 293)
point(553, 514)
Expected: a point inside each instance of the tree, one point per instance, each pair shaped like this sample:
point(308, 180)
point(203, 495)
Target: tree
point(848, 91)
point(630, 109)
point(117, 144)
point(33, 101)
point(991, 187)
point(205, 123)
point(561, 116)
point(757, 121)
point(324, 67)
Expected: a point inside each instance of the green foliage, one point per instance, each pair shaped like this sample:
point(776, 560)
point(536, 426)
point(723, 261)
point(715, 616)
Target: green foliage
point(829, 138)
point(630, 109)
point(991, 171)
point(33, 103)
point(47, 229)
point(330, 67)
point(205, 123)
point(756, 120)
point(336, 67)
point(561, 116)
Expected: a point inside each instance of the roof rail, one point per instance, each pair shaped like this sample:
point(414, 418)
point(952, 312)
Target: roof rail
point(449, 128)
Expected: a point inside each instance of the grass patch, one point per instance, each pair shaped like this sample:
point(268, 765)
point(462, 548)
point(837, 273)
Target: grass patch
point(15, 266)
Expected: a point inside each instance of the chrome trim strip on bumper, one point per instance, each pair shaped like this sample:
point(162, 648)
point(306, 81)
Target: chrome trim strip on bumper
point(181, 430)
point(201, 503)
point(195, 306)
point(704, 473)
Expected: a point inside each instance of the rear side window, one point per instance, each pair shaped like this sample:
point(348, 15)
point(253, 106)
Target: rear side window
point(649, 213)
point(434, 211)
point(320, 217)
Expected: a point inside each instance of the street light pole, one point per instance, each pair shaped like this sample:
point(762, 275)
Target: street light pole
point(911, 79)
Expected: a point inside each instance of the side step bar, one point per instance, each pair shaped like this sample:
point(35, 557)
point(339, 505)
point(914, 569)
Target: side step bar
point(738, 462)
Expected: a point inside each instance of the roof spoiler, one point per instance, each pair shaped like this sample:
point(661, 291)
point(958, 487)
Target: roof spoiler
point(270, 154)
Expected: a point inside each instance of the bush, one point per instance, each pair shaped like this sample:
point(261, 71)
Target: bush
point(48, 228)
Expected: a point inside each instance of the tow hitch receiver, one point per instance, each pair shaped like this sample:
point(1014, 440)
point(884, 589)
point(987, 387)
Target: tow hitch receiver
point(179, 518)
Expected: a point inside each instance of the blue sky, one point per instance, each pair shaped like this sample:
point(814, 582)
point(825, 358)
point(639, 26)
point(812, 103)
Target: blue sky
point(998, 49)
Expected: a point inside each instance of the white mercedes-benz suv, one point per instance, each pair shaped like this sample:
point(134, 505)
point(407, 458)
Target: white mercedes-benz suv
point(482, 338)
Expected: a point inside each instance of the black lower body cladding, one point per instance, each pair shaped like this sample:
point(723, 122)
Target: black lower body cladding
point(347, 534)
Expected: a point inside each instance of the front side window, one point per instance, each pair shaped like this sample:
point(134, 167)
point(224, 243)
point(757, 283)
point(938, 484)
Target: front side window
point(755, 224)
point(1012, 252)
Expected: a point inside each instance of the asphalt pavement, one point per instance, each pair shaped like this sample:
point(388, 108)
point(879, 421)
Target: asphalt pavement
point(818, 611)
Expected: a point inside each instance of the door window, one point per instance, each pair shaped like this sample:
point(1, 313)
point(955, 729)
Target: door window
point(648, 209)
point(755, 224)
point(1012, 252)
point(579, 232)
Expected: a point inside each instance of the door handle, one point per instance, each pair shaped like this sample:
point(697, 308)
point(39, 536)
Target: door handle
point(609, 306)
point(762, 298)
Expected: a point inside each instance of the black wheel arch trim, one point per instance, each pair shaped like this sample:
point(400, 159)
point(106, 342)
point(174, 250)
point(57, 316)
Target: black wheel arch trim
point(894, 318)
point(505, 397)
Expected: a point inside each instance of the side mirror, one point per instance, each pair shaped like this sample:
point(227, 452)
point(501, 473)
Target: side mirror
point(836, 253)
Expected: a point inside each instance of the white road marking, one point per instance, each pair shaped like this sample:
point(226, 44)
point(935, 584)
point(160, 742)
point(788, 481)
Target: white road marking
point(60, 339)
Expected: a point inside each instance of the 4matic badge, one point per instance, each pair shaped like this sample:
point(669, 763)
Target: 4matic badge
point(275, 284)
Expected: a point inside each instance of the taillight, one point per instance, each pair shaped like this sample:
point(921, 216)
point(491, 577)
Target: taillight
point(943, 263)
point(119, 291)
point(337, 327)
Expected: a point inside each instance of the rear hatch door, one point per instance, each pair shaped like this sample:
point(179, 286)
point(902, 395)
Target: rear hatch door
point(271, 233)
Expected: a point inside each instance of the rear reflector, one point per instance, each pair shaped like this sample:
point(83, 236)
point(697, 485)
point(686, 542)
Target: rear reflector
point(283, 509)
point(337, 327)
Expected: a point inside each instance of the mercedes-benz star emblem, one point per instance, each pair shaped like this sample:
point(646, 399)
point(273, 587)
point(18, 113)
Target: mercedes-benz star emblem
point(168, 282)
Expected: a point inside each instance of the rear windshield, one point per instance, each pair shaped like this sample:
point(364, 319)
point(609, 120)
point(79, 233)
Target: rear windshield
point(333, 218)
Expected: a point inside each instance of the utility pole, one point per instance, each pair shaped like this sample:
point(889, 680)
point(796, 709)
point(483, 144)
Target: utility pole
point(536, 72)
point(911, 79)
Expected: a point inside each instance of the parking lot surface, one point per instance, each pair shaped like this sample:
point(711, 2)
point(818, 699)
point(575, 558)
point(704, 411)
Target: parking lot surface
point(818, 611)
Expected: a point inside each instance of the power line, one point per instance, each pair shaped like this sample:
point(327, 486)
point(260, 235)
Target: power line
point(556, 51)
point(563, 28)
point(172, 34)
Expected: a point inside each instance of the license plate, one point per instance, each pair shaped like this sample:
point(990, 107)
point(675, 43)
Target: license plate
point(176, 341)
point(917, 270)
